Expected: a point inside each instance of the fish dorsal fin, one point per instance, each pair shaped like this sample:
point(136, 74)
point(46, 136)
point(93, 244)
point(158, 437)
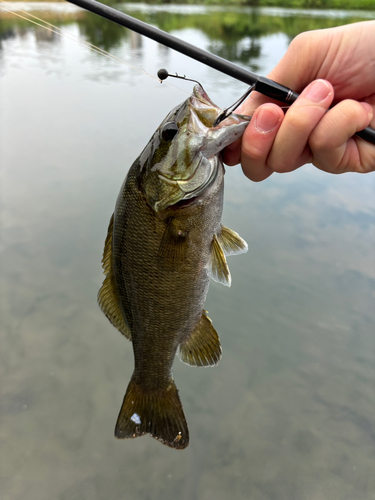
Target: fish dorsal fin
point(231, 242)
point(173, 246)
point(203, 347)
point(219, 268)
point(107, 296)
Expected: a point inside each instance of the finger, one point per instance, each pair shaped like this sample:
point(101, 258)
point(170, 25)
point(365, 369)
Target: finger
point(231, 155)
point(302, 62)
point(290, 149)
point(333, 146)
point(296, 69)
point(258, 139)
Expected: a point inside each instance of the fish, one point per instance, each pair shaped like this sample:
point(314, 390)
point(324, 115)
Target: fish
point(165, 241)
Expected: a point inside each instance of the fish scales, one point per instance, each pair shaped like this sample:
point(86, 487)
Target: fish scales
point(165, 241)
point(166, 311)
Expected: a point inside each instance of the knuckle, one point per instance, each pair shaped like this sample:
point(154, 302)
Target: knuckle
point(350, 110)
point(252, 152)
point(319, 141)
point(279, 166)
point(297, 121)
point(298, 41)
point(255, 154)
point(301, 119)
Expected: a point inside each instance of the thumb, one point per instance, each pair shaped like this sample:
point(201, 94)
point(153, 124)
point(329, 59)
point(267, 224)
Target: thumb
point(297, 68)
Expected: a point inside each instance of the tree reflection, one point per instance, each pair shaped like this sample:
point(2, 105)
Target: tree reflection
point(101, 32)
point(234, 34)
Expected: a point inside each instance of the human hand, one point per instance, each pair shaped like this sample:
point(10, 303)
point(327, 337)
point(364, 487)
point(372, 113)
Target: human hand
point(336, 65)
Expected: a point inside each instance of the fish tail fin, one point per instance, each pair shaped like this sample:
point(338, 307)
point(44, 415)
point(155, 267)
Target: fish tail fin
point(158, 413)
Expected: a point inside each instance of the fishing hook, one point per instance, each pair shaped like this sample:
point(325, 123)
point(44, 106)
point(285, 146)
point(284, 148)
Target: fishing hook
point(163, 75)
point(229, 110)
point(262, 84)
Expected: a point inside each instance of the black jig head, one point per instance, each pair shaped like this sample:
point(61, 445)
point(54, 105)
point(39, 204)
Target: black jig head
point(163, 75)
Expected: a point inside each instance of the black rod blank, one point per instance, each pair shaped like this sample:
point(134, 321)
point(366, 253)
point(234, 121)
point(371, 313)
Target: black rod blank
point(263, 85)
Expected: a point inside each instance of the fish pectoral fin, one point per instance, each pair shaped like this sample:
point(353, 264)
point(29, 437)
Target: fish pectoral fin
point(158, 413)
point(173, 246)
point(231, 242)
point(107, 296)
point(219, 268)
point(203, 347)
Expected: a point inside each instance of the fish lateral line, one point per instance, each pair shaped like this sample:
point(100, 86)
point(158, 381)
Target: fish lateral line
point(158, 269)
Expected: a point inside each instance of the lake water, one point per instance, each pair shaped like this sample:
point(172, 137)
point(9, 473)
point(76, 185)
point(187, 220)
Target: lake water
point(289, 413)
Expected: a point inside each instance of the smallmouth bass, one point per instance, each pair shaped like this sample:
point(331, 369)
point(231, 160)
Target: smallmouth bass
point(164, 242)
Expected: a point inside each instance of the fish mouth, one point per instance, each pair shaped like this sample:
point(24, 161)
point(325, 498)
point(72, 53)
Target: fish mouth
point(205, 110)
point(200, 93)
point(190, 164)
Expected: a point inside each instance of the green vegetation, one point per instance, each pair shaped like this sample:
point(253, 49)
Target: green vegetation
point(225, 29)
point(297, 4)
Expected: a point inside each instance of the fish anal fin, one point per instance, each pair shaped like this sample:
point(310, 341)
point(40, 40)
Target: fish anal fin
point(158, 413)
point(219, 268)
point(107, 297)
point(203, 347)
point(231, 242)
point(173, 246)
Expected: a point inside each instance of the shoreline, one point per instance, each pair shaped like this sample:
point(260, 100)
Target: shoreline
point(291, 4)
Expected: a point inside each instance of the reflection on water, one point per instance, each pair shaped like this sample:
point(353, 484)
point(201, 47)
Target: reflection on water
point(289, 412)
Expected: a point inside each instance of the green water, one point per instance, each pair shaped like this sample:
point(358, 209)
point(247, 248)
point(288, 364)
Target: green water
point(289, 413)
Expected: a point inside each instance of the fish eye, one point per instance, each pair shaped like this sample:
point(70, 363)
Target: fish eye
point(169, 130)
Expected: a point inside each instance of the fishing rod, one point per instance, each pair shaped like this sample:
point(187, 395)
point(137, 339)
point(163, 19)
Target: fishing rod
point(261, 84)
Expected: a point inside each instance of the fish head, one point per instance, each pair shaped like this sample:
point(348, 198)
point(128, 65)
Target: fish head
point(182, 158)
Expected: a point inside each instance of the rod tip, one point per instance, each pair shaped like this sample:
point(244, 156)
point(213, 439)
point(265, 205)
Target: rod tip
point(163, 74)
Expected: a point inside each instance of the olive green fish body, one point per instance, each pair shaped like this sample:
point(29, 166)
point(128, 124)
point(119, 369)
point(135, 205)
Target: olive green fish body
point(165, 241)
point(167, 297)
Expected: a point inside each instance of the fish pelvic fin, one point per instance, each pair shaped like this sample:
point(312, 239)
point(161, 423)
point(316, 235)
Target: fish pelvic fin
point(203, 347)
point(219, 268)
point(231, 242)
point(226, 242)
point(107, 296)
point(158, 413)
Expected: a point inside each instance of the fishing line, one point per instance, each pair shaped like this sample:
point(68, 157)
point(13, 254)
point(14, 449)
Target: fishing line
point(161, 75)
point(70, 36)
point(262, 84)
point(27, 16)
point(367, 134)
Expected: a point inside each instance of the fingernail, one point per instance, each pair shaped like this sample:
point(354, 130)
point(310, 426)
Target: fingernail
point(368, 109)
point(266, 120)
point(317, 91)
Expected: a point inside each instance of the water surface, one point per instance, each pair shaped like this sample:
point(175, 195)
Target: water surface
point(289, 412)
